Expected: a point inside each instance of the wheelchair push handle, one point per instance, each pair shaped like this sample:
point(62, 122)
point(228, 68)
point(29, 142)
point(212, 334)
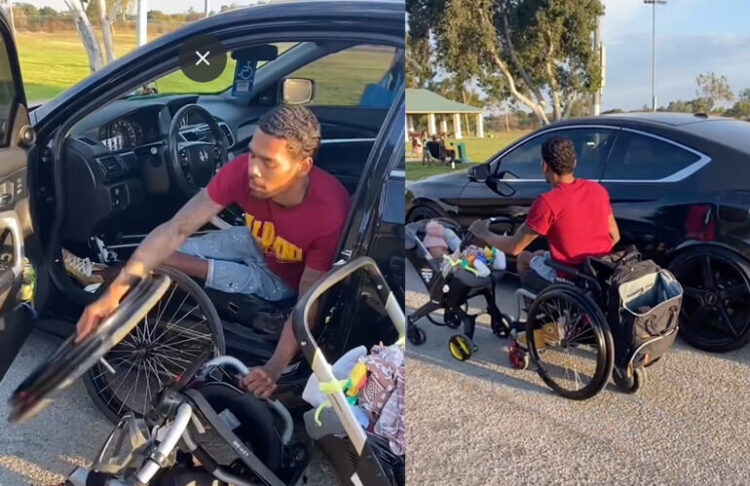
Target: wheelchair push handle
point(493, 220)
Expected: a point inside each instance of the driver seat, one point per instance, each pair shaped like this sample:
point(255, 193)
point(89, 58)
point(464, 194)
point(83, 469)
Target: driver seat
point(254, 322)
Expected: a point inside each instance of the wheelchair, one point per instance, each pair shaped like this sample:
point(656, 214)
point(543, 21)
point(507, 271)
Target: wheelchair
point(571, 344)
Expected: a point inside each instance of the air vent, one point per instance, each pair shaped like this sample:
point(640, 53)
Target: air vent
point(110, 165)
point(227, 134)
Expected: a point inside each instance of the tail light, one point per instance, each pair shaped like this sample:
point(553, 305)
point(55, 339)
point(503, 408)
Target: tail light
point(700, 223)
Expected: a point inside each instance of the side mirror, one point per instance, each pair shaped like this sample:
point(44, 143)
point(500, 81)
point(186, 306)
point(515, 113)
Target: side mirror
point(479, 173)
point(297, 91)
point(500, 187)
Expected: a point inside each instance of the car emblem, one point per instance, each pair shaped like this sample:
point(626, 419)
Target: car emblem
point(203, 155)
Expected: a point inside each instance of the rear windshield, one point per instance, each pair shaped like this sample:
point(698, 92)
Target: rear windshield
point(732, 133)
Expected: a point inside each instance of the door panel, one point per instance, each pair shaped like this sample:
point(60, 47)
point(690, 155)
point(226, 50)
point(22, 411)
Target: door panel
point(15, 219)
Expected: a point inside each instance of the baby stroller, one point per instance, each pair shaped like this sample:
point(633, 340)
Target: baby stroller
point(451, 291)
point(360, 456)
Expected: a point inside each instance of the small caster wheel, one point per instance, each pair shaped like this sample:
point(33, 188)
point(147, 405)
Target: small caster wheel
point(500, 324)
point(461, 347)
point(415, 335)
point(519, 359)
point(629, 384)
point(451, 319)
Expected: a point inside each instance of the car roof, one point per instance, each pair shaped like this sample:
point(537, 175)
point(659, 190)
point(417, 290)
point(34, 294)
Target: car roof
point(658, 118)
point(730, 132)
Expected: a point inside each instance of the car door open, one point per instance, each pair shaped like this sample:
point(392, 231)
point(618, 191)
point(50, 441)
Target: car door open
point(16, 228)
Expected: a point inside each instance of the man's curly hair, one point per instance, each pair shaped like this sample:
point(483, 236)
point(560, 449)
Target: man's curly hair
point(295, 124)
point(559, 154)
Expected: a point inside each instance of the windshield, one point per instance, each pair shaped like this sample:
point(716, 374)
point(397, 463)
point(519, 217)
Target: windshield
point(177, 83)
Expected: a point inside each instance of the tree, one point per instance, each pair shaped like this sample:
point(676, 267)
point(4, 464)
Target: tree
point(28, 9)
point(48, 12)
point(86, 32)
point(420, 68)
point(711, 89)
point(741, 108)
point(538, 49)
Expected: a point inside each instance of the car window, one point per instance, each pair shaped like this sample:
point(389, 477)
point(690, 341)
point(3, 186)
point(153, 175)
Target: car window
point(177, 83)
point(7, 93)
point(591, 145)
point(639, 157)
point(364, 75)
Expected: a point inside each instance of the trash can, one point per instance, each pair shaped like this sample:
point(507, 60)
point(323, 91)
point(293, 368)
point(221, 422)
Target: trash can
point(461, 152)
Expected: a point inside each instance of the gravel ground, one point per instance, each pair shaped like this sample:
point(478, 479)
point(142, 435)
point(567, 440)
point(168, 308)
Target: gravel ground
point(481, 422)
point(69, 432)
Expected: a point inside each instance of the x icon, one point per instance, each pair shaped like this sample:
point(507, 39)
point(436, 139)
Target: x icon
point(202, 58)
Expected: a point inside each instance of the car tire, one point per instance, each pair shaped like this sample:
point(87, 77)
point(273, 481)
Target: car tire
point(101, 385)
point(730, 273)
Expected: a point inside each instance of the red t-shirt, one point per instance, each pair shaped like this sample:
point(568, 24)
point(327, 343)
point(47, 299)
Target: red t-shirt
point(291, 238)
point(575, 219)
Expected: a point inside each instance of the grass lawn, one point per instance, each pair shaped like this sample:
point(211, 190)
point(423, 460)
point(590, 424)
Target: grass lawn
point(478, 150)
point(52, 62)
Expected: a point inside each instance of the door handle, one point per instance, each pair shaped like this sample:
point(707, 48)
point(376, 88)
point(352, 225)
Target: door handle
point(5, 199)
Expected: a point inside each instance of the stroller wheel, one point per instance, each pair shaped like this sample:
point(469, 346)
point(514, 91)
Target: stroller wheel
point(452, 319)
point(415, 335)
point(632, 384)
point(519, 359)
point(461, 347)
point(500, 324)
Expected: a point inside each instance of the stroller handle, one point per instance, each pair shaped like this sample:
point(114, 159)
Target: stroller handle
point(312, 352)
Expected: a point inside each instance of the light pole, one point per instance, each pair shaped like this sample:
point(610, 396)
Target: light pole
point(653, 48)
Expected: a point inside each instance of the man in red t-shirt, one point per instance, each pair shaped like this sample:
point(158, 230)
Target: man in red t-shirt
point(294, 214)
point(575, 216)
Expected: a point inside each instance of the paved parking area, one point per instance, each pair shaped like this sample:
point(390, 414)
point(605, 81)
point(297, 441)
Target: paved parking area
point(69, 432)
point(481, 422)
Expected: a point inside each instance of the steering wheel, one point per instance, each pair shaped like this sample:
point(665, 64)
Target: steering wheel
point(71, 360)
point(192, 163)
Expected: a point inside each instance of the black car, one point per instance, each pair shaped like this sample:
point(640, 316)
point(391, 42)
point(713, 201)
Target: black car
point(93, 170)
point(680, 190)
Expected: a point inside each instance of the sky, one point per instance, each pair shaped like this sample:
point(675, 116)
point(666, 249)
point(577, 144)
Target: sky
point(692, 37)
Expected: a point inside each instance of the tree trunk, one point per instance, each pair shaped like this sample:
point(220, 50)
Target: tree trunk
point(552, 79)
point(113, 13)
point(507, 122)
point(514, 59)
point(87, 34)
point(106, 31)
point(536, 108)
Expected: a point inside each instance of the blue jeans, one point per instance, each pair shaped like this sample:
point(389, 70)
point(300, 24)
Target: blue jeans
point(236, 264)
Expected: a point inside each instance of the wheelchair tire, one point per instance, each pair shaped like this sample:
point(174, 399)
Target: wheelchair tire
point(632, 384)
point(601, 339)
point(151, 346)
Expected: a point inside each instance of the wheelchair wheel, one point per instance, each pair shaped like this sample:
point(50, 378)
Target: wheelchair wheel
point(461, 347)
point(632, 384)
point(415, 335)
point(571, 346)
point(176, 331)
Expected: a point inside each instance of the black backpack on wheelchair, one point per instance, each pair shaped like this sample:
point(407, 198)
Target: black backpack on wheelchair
point(642, 302)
